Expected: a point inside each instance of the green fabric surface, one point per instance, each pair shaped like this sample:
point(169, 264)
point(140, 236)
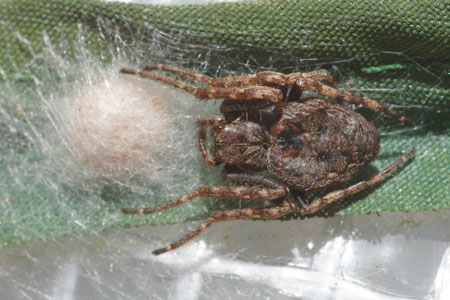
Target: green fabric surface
point(397, 52)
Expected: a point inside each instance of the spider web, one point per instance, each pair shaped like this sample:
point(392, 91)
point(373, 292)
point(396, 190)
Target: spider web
point(55, 54)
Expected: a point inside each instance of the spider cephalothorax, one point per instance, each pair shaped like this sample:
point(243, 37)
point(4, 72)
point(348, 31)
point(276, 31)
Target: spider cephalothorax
point(305, 144)
point(240, 143)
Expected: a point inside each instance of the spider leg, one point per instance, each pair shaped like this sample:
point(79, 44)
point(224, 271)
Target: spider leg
point(202, 125)
point(318, 75)
point(229, 106)
point(199, 77)
point(334, 196)
point(305, 83)
point(262, 78)
point(230, 215)
point(254, 93)
point(235, 192)
point(251, 179)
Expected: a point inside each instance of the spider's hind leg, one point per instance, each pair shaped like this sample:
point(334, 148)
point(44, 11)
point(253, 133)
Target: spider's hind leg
point(230, 215)
point(252, 179)
point(265, 190)
point(334, 196)
point(257, 193)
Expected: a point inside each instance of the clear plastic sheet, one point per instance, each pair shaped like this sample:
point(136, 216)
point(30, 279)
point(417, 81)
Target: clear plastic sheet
point(386, 256)
point(392, 256)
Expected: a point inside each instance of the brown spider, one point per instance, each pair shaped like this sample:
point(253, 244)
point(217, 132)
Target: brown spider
point(306, 144)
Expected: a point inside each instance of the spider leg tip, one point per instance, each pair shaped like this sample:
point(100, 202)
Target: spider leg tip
point(161, 251)
point(129, 211)
point(151, 67)
point(127, 71)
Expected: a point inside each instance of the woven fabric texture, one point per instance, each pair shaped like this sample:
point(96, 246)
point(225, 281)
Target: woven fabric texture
point(397, 52)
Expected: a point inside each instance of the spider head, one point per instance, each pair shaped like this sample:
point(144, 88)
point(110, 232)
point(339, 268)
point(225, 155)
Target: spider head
point(240, 143)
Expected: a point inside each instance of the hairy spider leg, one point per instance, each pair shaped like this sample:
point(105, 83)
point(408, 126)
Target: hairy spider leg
point(322, 202)
point(232, 192)
point(261, 78)
point(229, 106)
point(230, 215)
point(286, 207)
point(305, 83)
point(203, 124)
point(318, 75)
point(221, 87)
point(202, 78)
point(254, 93)
point(252, 179)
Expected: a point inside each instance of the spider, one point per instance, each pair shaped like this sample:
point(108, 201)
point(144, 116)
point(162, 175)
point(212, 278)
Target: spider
point(274, 143)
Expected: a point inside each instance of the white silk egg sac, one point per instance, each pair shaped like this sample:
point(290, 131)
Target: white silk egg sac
point(115, 127)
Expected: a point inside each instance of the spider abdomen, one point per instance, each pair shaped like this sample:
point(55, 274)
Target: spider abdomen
point(317, 143)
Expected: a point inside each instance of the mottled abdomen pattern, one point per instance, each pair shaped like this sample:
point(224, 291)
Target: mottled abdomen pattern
point(318, 143)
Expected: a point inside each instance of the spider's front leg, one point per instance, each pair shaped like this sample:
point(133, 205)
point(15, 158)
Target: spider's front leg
point(265, 78)
point(253, 93)
point(318, 75)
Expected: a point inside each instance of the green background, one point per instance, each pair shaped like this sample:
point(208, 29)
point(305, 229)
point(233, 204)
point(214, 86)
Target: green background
point(398, 52)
